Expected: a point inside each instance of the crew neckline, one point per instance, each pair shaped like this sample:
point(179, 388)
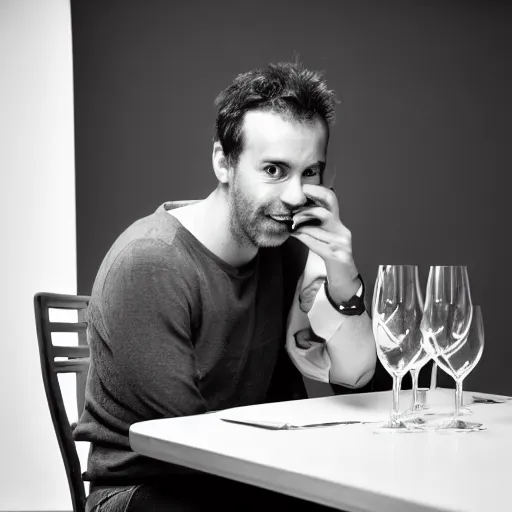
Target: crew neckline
point(245, 270)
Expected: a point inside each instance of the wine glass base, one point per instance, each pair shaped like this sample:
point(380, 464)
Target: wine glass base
point(413, 412)
point(457, 425)
point(414, 420)
point(398, 427)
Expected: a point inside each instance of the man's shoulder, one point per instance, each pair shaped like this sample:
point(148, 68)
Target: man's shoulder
point(149, 241)
point(144, 251)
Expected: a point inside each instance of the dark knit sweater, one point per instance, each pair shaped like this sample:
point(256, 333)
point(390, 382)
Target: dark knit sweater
point(173, 331)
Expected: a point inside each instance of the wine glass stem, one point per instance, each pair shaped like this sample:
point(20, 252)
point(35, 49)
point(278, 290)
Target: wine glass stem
point(458, 397)
point(397, 383)
point(414, 377)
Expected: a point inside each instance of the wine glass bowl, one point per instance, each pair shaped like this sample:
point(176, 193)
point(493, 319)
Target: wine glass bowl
point(460, 359)
point(448, 308)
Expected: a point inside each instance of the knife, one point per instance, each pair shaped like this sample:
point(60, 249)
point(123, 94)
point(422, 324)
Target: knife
point(276, 425)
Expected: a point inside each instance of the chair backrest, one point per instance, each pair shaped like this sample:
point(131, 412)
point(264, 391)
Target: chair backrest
point(57, 359)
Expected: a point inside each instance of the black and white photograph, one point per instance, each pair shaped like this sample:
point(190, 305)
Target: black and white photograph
point(255, 255)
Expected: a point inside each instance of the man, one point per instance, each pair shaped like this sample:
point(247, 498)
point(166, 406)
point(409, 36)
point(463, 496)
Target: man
point(202, 306)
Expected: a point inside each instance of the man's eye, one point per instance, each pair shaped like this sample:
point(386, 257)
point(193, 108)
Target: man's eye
point(273, 170)
point(310, 173)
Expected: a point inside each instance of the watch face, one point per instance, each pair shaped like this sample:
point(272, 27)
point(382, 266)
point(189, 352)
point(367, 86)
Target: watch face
point(356, 303)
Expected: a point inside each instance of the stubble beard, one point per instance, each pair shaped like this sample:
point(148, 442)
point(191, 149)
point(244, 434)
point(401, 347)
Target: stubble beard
point(247, 220)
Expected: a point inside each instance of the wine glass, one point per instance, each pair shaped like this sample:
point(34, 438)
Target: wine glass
point(448, 319)
point(396, 316)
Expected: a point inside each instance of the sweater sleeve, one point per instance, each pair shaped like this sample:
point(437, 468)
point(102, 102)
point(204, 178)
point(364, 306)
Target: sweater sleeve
point(322, 343)
point(147, 317)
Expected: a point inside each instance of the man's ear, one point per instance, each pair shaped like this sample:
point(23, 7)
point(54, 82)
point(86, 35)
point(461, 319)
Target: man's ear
point(220, 164)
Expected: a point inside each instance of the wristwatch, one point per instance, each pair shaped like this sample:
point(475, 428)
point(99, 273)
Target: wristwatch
point(354, 306)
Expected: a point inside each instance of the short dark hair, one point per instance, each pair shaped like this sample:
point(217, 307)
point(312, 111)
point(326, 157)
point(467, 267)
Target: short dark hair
point(286, 88)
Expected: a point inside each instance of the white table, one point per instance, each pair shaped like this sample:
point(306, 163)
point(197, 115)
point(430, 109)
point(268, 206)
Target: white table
point(348, 467)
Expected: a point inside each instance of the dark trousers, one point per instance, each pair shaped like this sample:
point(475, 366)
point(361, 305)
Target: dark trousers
point(192, 494)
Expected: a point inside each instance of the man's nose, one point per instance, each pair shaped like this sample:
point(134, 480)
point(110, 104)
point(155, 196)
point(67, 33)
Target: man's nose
point(293, 195)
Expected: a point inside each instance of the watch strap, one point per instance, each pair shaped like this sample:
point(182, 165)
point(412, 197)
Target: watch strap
point(354, 306)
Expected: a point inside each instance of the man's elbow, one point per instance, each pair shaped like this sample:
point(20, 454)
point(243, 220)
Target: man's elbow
point(359, 383)
point(356, 375)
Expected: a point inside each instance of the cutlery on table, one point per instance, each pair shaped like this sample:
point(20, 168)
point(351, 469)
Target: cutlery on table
point(276, 425)
point(482, 400)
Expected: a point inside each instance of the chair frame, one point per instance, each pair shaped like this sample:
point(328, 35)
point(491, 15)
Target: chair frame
point(77, 361)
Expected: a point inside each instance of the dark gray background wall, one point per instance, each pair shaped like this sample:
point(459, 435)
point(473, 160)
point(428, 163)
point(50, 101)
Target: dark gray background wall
point(421, 147)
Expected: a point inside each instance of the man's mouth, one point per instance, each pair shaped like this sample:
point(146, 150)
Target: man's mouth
point(284, 219)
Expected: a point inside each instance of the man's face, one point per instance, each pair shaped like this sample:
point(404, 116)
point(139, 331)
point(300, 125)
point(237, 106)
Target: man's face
point(279, 156)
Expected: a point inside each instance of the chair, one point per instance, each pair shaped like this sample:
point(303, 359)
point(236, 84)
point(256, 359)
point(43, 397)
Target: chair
point(71, 359)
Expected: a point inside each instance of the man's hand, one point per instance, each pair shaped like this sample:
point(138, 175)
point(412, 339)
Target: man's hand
point(331, 240)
